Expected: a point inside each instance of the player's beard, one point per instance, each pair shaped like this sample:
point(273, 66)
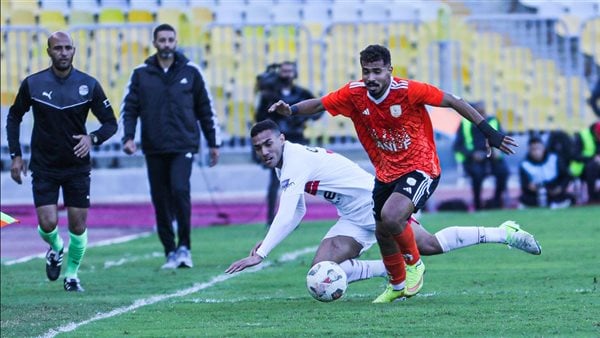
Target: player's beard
point(62, 64)
point(166, 53)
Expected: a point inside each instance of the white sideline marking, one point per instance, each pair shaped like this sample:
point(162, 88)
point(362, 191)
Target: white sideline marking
point(110, 264)
point(105, 242)
point(290, 256)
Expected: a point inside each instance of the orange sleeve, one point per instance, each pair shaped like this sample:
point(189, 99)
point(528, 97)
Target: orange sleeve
point(423, 93)
point(339, 102)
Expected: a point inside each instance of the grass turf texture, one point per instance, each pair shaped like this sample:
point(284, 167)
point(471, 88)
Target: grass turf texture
point(485, 290)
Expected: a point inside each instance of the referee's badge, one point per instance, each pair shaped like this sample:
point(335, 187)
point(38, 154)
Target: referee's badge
point(396, 110)
point(83, 90)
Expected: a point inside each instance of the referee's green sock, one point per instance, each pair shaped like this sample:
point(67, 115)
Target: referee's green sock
point(77, 246)
point(52, 238)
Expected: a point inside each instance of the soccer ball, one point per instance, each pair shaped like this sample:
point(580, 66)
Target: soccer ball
point(326, 281)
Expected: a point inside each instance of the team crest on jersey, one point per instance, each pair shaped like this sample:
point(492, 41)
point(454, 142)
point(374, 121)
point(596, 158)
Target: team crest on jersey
point(396, 110)
point(83, 90)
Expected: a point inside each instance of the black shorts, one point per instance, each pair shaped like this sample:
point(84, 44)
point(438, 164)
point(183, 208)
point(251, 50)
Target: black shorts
point(76, 189)
point(415, 185)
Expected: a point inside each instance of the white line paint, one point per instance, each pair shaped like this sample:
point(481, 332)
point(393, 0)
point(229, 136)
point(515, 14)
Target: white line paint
point(105, 242)
point(131, 259)
point(290, 256)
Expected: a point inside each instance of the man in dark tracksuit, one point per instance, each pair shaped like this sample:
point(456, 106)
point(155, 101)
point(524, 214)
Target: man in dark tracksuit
point(61, 98)
point(169, 95)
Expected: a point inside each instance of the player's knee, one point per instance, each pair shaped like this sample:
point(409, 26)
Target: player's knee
point(429, 246)
point(48, 222)
point(393, 224)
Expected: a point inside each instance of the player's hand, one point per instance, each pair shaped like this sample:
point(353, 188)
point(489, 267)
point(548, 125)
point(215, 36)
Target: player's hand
point(129, 147)
point(214, 157)
point(253, 251)
point(280, 108)
point(17, 167)
point(82, 148)
point(244, 263)
point(507, 145)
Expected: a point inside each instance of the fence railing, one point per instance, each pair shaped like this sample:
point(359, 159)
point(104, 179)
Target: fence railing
point(531, 71)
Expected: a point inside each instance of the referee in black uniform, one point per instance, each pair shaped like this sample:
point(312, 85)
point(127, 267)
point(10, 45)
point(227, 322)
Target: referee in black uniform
point(60, 98)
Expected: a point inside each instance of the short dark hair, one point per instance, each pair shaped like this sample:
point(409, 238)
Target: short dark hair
point(374, 53)
point(162, 27)
point(264, 125)
point(535, 139)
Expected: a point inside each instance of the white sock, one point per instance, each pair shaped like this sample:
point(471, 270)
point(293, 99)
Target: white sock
point(453, 238)
point(398, 287)
point(360, 269)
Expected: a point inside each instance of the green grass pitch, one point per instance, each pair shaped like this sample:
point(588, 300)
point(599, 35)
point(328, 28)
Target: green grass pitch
point(485, 290)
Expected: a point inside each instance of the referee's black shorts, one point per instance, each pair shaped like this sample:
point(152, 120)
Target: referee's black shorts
point(75, 187)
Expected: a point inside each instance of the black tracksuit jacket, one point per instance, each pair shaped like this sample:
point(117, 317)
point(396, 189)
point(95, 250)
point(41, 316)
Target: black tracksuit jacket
point(169, 105)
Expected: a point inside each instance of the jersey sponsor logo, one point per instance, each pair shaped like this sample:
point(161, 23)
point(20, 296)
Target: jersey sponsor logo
point(396, 110)
point(366, 112)
point(285, 184)
point(183, 81)
point(407, 189)
point(47, 94)
point(392, 140)
point(83, 90)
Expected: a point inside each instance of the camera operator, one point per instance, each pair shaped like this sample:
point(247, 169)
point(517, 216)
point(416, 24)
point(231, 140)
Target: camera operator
point(277, 83)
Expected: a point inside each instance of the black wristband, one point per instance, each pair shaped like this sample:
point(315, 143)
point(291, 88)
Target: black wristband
point(294, 109)
point(491, 134)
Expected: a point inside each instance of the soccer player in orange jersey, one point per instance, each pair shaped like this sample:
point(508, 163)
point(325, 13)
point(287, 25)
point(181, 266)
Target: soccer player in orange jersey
point(393, 125)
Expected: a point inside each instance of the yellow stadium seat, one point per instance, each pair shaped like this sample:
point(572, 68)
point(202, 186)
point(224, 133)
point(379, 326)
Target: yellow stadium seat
point(81, 17)
point(140, 16)
point(201, 15)
point(28, 5)
point(111, 15)
point(22, 17)
point(52, 20)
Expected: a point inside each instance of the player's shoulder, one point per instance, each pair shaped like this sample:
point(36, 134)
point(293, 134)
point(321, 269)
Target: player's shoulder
point(356, 86)
point(399, 83)
point(40, 75)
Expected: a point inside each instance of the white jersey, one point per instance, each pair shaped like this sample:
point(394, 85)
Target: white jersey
point(322, 173)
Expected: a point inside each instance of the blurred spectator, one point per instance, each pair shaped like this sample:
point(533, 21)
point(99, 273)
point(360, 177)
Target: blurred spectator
point(544, 178)
point(470, 150)
point(277, 83)
point(586, 159)
point(561, 143)
point(594, 98)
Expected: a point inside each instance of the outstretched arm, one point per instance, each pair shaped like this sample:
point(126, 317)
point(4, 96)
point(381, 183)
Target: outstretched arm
point(496, 139)
point(291, 210)
point(306, 107)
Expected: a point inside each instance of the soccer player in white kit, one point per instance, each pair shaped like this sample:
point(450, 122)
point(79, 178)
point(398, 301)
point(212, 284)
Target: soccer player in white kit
point(348, 187)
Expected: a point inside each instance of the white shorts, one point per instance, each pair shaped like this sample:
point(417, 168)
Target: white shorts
point(360, 226)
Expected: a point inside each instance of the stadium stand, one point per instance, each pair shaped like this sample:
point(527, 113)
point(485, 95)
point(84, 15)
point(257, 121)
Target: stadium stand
point(52, 20)
point(510, 61)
